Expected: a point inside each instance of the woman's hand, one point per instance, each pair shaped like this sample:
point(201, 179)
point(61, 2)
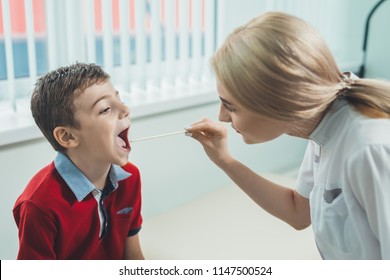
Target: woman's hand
point(282, 202)
point(213, 137)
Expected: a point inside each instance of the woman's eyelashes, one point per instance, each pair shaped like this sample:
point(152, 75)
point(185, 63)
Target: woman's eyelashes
point(228, 107)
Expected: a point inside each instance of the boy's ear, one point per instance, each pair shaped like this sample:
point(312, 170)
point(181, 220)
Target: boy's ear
point(65, 137)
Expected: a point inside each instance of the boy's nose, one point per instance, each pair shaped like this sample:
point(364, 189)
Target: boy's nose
point(125, 111)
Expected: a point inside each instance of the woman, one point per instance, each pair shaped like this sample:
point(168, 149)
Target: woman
point(275, 75)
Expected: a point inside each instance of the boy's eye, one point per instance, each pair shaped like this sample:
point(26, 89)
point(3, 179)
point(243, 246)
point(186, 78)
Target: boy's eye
point(105, 110)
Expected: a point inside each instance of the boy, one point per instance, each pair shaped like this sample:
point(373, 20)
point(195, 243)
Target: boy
point(86, 203)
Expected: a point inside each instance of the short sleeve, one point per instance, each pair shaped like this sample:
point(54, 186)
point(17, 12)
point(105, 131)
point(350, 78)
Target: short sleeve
point(368, 173)
point(136, 222)
point(37, 232)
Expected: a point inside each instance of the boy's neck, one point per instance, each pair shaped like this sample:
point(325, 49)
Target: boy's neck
point(95, 172)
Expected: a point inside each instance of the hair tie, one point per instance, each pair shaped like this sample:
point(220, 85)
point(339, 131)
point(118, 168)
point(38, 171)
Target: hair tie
point(348, 79)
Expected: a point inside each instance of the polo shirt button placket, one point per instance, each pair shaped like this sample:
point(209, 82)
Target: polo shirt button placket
point(104, 215)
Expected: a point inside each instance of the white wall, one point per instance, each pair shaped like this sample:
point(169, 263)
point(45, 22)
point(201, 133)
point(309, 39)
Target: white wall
point(175, 169)
point(378, 47)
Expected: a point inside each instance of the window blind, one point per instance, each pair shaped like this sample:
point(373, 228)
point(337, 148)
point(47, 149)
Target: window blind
point(149, 47)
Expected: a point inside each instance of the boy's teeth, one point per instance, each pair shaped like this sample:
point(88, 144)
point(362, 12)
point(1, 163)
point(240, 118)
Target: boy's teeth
point(120, 142)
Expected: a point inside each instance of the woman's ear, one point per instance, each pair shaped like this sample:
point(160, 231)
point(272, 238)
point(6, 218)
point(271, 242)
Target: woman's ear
point(65, 137)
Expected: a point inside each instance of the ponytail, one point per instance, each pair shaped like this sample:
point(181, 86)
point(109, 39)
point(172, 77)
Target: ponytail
point(369, 96)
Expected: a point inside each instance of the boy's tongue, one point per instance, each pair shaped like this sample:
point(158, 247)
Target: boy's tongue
point(120, 142)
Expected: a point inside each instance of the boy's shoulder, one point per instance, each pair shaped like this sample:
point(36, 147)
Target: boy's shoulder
point(42, 186)
point(131, 168)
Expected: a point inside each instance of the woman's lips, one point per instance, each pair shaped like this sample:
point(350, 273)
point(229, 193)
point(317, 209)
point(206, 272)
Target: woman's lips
point(236, 130)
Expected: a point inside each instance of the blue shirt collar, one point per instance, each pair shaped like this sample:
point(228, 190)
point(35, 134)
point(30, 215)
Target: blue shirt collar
point(78, 182)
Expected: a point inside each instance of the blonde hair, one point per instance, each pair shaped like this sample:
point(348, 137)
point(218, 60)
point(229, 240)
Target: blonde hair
point(279, 66)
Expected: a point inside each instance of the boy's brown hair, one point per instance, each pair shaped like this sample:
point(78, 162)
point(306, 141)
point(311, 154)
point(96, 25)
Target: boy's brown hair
point(52, 100)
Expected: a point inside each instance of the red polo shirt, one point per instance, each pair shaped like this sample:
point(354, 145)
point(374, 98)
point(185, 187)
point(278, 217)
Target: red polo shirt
point(58, 216)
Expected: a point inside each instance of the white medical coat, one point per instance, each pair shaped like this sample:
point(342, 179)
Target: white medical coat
point(346, 175)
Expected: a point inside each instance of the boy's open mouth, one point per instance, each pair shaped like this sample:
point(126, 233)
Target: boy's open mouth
point(122, 139)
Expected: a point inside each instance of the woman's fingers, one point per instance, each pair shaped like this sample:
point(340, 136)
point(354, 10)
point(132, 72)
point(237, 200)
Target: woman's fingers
point(213, 137)
point(206, 128)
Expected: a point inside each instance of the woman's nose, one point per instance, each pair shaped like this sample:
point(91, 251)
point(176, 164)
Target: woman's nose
point(224, 115)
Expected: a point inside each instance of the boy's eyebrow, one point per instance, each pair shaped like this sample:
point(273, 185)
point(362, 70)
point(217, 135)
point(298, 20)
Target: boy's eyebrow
point(103, 97)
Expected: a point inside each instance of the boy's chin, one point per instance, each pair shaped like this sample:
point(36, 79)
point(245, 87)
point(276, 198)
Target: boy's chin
point(122, 161)
point(122, 157)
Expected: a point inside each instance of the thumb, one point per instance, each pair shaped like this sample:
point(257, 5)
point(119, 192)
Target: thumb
point(206, 130)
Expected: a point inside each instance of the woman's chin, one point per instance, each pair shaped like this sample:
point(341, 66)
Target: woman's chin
point(250, 141)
